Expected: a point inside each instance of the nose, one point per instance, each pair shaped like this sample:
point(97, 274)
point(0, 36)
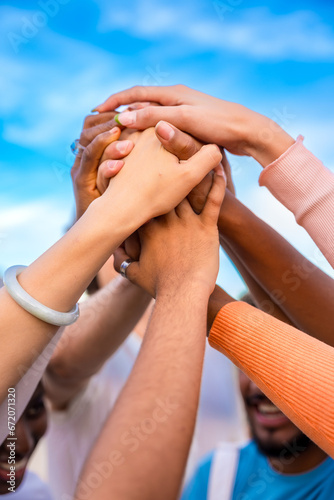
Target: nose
point(25, 440)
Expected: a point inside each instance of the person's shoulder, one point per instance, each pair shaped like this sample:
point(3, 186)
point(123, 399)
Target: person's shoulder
point(249, 456)
point(33, 488)
point(248, 448)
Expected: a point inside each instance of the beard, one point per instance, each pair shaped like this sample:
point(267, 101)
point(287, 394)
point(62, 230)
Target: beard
point(273, 449)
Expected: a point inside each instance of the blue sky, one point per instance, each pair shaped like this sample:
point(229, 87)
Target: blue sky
point(60, 58)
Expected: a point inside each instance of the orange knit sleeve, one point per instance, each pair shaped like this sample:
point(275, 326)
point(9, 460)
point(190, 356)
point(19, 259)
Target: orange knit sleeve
point(294, 370)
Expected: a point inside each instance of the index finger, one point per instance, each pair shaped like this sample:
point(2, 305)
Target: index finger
point(136, 94)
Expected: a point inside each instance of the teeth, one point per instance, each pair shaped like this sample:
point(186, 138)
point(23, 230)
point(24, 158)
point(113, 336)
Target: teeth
point(18, 465)
point(268, 408)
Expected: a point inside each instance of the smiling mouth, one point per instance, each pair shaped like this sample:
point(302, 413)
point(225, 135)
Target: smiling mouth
point(19, 465)
point(266, 413)
point(268, 409)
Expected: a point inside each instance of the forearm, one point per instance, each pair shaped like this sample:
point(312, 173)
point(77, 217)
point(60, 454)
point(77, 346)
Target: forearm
point(218, 299)
point(261, 298)
point(105, 320)
point(152, 423)
point(301, 290)
point(294, 370)
point(56, 279)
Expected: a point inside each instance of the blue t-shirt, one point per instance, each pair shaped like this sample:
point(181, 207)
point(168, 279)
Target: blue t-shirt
point(256, 479)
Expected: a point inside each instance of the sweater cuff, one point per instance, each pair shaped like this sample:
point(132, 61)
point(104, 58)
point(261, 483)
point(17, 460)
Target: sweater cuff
point(299, 181)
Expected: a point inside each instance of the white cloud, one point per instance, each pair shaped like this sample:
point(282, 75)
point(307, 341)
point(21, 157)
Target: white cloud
point(28, 229)
point(78, 75)
point(254, 32)
point(258, 33)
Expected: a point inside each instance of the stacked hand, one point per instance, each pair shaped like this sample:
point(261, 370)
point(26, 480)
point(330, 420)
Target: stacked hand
point(180, 248)
point(236, 128)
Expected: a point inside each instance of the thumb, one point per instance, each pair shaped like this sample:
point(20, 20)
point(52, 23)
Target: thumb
point(176, 142)
point(201, 163)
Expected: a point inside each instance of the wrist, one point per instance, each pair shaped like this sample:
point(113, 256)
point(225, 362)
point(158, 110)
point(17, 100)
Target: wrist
point(111, 223)
point(174, 290)
point(266, 140)
point(218, 299)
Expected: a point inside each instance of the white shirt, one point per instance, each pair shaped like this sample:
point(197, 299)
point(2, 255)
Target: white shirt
point(72, 432)
point(31, 488)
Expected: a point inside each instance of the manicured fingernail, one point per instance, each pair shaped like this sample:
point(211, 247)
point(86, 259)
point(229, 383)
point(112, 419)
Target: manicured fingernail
point(165, 131)
point(123, 146)
point(94, 110)
point(126, 118)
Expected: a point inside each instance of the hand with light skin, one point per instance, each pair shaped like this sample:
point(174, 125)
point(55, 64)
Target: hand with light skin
point(157, 180)
point(181, 145)
point(152, 183)
point(238, 129)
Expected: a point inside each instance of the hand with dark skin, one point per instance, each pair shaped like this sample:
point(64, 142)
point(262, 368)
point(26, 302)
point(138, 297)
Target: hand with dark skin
point(178, 264)
point(98, 133)
point(270, 265)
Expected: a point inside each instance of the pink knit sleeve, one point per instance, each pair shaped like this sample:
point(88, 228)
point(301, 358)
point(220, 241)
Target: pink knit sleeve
point(306, 187)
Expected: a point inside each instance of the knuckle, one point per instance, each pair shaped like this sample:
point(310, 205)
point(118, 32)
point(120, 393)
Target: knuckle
point(86, 137)
point(184, 112)
point(138, 91)
point(146, 113)
point(88, 153)
point(89, 121)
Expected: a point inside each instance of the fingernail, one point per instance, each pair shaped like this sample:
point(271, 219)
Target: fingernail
point(126, 118)
point(114, 131)
point(139, 105)
point(122, 146)
point(94, 110)
point(113, 164)
point(220, 171)
point(165, 131)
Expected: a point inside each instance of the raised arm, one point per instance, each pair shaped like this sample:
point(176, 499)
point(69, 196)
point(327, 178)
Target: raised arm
point(261, 298)
point(151, 183)
point(146, 439)
point(288, 280)
point(293, 283)
point(233, 126)
point(106, 319)
point(293, 174)
point(294, 370)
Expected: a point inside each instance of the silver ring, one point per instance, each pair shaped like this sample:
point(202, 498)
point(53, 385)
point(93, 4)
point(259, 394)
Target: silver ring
point(76, 147)
point(125, 264)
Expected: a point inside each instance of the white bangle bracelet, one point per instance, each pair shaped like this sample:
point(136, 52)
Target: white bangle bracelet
point(31, 305)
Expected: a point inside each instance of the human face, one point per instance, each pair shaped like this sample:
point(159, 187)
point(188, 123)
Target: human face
point(271, 429)
point(29, 429)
